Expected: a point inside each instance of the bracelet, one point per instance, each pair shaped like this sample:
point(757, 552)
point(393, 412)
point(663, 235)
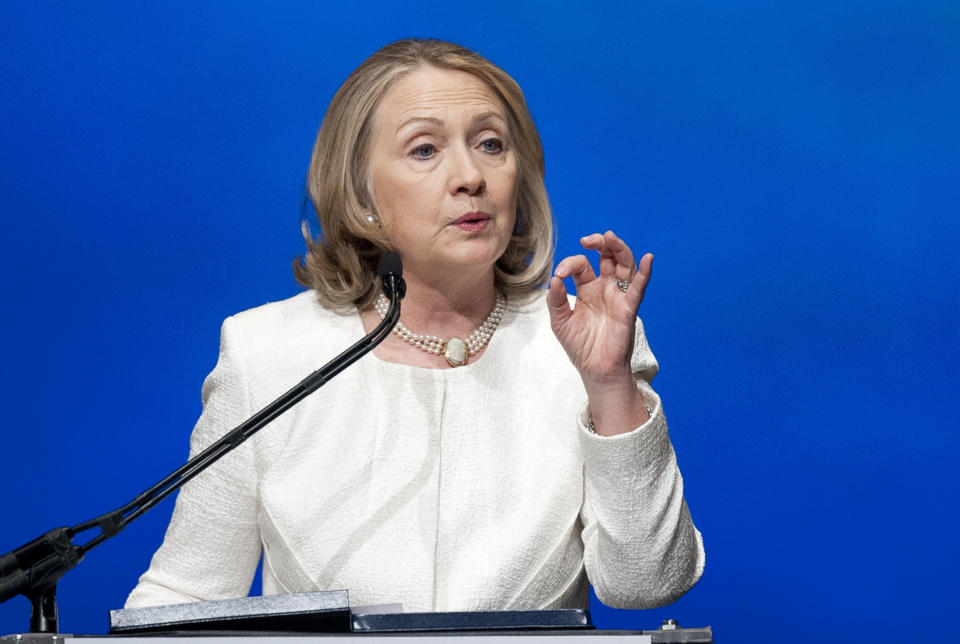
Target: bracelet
point(593, 428)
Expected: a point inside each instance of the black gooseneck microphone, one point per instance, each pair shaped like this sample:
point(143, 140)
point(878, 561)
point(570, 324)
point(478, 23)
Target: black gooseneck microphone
point(390, 270)
point(34, 569)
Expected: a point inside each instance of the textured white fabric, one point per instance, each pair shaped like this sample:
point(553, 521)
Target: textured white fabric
point(475, 488)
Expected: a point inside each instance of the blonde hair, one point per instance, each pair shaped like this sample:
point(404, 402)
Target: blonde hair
point(341, 264)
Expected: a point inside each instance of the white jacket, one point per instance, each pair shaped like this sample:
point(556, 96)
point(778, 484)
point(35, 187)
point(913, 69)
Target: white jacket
point(473, 488)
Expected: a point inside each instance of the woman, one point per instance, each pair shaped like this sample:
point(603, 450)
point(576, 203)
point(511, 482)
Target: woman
point(500, 472)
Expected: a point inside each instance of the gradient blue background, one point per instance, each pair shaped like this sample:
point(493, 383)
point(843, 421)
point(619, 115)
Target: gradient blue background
point(793, 165)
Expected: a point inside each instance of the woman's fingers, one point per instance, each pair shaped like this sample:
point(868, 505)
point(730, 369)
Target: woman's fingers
point(616, 258)
point(578, 267)
point(592, 242)
point(557, 301)
point(638, 285)
point(622, 254)
point(616, 262)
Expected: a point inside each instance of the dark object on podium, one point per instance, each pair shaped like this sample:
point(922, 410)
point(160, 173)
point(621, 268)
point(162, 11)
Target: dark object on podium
point(510, 620)
point(319, 612)
point(670, 632)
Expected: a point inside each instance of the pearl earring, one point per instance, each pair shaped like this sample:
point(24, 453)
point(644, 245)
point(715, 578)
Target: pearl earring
point(372, 218)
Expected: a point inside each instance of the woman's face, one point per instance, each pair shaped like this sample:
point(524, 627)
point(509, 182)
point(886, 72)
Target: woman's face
point(444, 171)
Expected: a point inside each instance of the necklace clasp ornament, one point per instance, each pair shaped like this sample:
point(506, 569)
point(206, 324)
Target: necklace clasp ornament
point(455, 352)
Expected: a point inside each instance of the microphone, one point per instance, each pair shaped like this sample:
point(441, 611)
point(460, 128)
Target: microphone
point(34, 568)
point(30, 566)
point(390, 271)
point(24, 556)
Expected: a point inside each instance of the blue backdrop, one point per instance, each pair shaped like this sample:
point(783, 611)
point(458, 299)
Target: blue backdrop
point(793, 166)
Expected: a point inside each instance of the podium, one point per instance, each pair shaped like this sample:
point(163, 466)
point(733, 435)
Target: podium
point(694, 636)
point(327, 618)
point(597, 637)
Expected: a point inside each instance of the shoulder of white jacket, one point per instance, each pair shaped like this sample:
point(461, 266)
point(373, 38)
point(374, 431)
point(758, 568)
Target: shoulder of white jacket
point(299, 320)
point(302, 306)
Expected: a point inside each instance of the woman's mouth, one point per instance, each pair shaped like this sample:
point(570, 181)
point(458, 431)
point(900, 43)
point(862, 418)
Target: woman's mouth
point(472, 222)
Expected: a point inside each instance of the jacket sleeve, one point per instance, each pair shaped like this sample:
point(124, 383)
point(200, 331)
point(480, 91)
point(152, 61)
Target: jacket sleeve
point(641, 549)
point(212, 545)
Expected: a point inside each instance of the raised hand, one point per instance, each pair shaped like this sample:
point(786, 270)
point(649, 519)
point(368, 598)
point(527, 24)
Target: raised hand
point(598, 333)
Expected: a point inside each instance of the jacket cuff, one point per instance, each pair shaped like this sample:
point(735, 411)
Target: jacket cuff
point(648, 443)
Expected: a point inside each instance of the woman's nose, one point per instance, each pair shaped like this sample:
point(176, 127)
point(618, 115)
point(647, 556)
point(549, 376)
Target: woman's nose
point(466, 176)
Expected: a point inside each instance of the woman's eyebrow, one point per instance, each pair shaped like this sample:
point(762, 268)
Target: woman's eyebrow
point(416, 119)
point(433, 120)
point(489, 116)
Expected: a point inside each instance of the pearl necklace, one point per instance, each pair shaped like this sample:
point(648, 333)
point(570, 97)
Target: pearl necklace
point(455, 351)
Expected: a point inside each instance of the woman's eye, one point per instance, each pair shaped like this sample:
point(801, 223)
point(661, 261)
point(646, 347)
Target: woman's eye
point(425, 151)
point(493, 146)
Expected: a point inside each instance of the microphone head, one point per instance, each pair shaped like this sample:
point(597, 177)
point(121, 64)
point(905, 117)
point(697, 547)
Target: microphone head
point(390, 264)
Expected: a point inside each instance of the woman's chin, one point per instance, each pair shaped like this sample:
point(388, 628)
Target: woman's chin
point(459, 263)
point(478, 255)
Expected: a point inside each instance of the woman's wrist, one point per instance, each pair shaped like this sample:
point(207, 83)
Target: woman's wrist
point(616, 406)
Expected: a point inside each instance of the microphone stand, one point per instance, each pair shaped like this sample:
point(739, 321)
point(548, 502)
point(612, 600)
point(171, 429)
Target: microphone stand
point(34, 569)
